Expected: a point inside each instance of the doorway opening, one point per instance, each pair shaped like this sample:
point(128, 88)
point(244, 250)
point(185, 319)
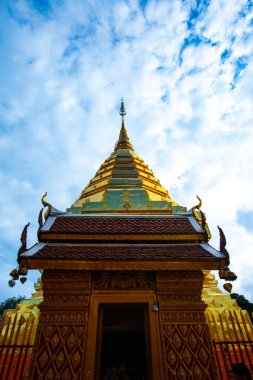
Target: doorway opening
point(123, 349)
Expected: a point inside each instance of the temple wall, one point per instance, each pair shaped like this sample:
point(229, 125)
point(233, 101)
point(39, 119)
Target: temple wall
point(186, 344)
point(181, 331)
point(226, 320)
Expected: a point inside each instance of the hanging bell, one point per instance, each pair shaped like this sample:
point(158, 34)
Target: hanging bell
point(23, 280)
point(228, 287)
point(14, 272)
point(11, 283)
point(231, 276)
point(23, 271)
point(227, 275)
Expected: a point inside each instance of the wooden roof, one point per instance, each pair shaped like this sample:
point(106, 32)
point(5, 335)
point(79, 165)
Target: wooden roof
point(121, 256)
point(121, 227)
point(100, 242)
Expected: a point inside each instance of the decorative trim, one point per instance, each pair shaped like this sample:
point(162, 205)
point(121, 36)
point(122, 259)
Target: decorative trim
point(61, 318)
point(81, 236)
point(123, 280)
point(182, 317)
point(212, 264)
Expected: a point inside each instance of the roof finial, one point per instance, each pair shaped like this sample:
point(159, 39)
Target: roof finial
point(123, 141)
point(122, 111)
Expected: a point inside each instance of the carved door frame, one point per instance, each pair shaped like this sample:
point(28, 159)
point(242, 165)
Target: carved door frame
point(125, 298)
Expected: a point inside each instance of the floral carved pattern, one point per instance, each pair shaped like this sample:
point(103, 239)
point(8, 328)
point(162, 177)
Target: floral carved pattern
point(62, 354)
point(123, 280)
point(60, 346)
point(186, 344)
point(187, 352)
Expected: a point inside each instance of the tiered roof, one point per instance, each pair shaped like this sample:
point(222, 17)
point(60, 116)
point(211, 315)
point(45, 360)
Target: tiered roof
point(123, 219)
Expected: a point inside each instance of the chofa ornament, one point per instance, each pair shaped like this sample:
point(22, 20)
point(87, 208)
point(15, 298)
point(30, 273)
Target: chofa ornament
point(23, 239)
point(201, 218)
point(46, 204)
point(21, 270)
point(225, 273)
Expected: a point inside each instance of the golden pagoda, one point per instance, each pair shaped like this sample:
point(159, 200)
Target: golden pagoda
point(125, 272)
point(124, 184)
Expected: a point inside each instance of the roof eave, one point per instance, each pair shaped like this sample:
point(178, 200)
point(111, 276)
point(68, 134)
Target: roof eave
point(198, 264)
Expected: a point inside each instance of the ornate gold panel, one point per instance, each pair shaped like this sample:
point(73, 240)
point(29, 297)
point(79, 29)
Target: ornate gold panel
point(60, 345)
point(186, 345)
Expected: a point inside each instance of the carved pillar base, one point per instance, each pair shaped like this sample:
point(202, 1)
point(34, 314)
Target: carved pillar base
point(60, 345)
point(186, 345)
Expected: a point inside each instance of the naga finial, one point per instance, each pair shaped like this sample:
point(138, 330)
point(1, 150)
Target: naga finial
point(204, 225)
point(225, 273)
point(199, 204)
point(201, 219)
point(46, 204)
point(40, 218)
point(223, 243)
point(23, 239)
point(122, 111)
point(40, 221)
point(21, 271)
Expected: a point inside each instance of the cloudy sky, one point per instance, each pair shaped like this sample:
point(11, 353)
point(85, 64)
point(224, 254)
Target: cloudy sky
point(185, 71)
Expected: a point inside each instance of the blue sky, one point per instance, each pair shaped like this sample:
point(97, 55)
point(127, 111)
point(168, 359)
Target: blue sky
point(185, 71)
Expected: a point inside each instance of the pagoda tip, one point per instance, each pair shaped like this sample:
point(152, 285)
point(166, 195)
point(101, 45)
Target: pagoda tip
point(122, 111)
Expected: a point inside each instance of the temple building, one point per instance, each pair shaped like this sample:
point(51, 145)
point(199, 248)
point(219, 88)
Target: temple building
point(127, 284)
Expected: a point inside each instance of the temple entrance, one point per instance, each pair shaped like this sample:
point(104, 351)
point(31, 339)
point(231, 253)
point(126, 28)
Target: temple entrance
point(123, 349)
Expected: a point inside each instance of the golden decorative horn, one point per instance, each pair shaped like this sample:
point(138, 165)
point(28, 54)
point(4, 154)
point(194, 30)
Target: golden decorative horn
point(199, 204)
point(46, 204)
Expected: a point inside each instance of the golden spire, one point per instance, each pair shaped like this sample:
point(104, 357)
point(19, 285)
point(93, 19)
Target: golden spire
point(124, 184)
point(123, 140)
point(122, 111)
